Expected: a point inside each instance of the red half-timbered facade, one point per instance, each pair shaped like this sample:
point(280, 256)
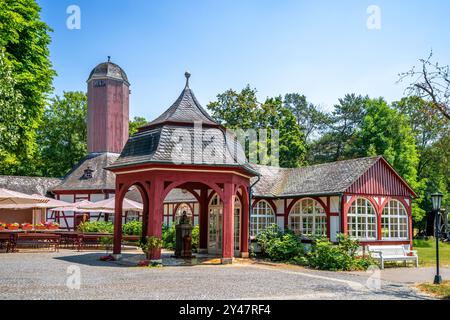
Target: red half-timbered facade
point(185, 161)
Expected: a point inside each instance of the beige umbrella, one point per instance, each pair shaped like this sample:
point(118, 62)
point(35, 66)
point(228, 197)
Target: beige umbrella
point(52, 203)
point(14, 197)
point(108, 206)
point(76, 206)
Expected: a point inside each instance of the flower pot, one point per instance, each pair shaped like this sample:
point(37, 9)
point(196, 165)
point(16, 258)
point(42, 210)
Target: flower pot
point(2, 228)
point(27, 228)
point(53, 227)
point(40, 228)
point(13, 227)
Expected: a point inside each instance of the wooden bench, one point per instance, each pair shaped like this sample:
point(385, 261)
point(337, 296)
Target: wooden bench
point(37, 240)
point(91, 240)
point(392, 253)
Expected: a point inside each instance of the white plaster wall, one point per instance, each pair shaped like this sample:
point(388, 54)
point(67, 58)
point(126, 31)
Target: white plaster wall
point(97, 197)
point(334, 227)
point(334, 204)
point(280, 206)
point(66, 197)
point(280, 222)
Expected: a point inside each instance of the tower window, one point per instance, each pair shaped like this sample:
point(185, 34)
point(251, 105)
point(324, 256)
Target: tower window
point(99, 83)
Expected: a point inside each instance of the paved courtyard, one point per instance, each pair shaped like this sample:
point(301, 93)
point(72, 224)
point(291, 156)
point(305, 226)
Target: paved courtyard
point(45, 275)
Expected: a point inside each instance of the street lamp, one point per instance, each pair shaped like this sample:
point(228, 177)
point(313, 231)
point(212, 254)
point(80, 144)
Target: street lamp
point(436, 199)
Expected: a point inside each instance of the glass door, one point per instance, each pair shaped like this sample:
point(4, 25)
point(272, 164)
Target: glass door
point(215, 215)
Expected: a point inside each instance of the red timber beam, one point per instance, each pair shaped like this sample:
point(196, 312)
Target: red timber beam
point(203, 220)
point(228, 224)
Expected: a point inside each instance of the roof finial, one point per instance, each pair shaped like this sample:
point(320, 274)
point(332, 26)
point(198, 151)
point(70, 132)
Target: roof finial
point(187, 74)
point(109, 58)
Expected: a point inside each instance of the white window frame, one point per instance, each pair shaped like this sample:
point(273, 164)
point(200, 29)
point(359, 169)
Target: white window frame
point(393, 218)
point(359, 210)
point(305, 217)
point(262, 217)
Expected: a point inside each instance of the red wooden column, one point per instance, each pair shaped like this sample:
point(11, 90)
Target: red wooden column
point(344, 211)
point(155, 214)
point(203, 217)
point(117, 248)
point(228, 224)
point(245, 223)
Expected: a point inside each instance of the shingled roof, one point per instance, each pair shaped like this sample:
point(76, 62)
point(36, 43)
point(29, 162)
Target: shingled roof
point(184, 134)
point(321, 179)
point(108, 70)
point(29, 185)
point(186, 109)
point(100, 179)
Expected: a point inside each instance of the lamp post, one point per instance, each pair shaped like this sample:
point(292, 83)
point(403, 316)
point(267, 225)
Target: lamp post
point(436, 199)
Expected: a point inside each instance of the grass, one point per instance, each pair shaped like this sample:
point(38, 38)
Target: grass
point(426, 249)
point(441, 291)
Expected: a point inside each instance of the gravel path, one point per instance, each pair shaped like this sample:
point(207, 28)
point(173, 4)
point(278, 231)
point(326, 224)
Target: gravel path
point(44, 276)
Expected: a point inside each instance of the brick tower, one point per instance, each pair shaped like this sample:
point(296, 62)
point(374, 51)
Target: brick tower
point(108, 108)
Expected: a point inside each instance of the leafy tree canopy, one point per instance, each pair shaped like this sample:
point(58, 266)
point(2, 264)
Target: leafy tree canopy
point(62, 136)
point(25, 39)
point(241, 110)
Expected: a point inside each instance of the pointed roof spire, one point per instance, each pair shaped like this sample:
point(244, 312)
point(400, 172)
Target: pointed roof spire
point(187, 74)
point(185, 110)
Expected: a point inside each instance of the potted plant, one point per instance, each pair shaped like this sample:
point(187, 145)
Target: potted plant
point(151, 244)
point(51, 225)
point(2, 226)
point(27, 226)
point(13, 226)
point(40, 226)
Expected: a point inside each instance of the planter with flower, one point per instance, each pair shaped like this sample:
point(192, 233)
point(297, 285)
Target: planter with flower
point(2, 226)
point(40, 226)
point(27, 226)
point(51, 225)
point(13, 226)
point(149, 246)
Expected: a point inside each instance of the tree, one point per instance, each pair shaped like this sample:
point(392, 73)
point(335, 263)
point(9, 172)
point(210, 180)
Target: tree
point(432, 135)
point(242, 111)
point(135, 124)
point(25, 39)
point(62, 136)
point(335, 143)
point(431, 82)
point(385, 131)
point(309, 118)
point(12, 117)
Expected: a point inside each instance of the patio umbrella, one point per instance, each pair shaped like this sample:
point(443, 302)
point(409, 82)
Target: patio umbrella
point(73, 206)
point(52, 203)
point(15, 198)
point(108, 206)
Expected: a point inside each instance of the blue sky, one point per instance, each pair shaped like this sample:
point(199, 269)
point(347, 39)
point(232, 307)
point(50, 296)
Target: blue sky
point(322, 49)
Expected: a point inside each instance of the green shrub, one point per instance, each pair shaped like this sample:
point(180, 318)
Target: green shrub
point(96, 226)
point(132, 228)
point(279, 246)
point(286, 247)
point(168, 237)
point(195, 237)
point(328, 256)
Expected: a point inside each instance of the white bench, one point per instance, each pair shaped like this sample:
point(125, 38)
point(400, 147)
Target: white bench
point(392, 253)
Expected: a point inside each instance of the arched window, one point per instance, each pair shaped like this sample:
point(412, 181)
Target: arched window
point(262, 217)
point(394, 221)
point(308, 218)
point(182, 208)
point(362, 220)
